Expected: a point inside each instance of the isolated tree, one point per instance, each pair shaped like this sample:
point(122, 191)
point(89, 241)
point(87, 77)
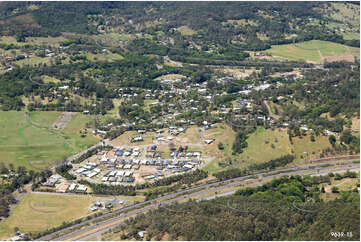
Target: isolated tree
point(335, 190)
point(332, 139)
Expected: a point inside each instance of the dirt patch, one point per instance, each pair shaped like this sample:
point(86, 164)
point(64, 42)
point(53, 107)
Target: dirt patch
point(355, 124)
point(172, 77)
point(185, 30)
point(144, 171)
point(349, 58)
point(63, 120)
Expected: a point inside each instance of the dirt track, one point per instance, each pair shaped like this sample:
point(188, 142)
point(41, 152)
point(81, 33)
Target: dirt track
point(63, 120)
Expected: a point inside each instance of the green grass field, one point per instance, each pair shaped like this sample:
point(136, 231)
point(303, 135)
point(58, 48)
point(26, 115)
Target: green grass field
point(36, 148)
point(148, 103)
point(312, 149)
point(312, 51)
point(48, 79)
point(33, 40)
point(260, 148)
point(45, 119)
point(38, 212)
point(105, 57)
point(33, 61)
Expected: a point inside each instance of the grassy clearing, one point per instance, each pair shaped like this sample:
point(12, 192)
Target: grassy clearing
point(124, 138)
point(311, 51)
point(224, 134)
point(116, 37)
point(45, 40)
point(260, 147)
point(36, 148)
point(241, 22)
point(185, 30)
point(148, 103)
point(349, 36)
point(312, 149)
point(128, 135)
point(71, 131)
point(48, 79)
point(345, 184)
point(33, 40)
point(35, 60)
point(170, 77)
point(44, 118)
point(105, 57)
point(115, 110)
point(239, 73)
point(132, 198)
point(8, 40)
point(192, 135)
point(355, 124)
point(38, 212)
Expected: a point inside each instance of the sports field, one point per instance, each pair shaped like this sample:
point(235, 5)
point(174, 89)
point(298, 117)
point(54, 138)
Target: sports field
point(24, 144)
point(314, 51)
point(38, 212)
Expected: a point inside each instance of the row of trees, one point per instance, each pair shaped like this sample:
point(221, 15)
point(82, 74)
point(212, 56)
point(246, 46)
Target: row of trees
point(13, 179)
point(269, 165)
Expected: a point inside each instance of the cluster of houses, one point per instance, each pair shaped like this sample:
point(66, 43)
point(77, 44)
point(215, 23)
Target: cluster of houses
point(88, 170)
point(63, 186)
point(52, 180)
point(106, 204)
point(119, 176)
point(123, 166)
point(126, 152)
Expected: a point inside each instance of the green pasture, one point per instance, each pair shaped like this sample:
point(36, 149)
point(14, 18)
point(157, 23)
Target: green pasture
point(23, 144)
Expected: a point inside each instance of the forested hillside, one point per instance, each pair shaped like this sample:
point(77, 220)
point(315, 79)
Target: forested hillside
point(289, 208)
point(248, 25)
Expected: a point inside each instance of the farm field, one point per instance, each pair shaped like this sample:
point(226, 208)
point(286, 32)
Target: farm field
point(38, 212)
point(314, 51)
point(36, 148)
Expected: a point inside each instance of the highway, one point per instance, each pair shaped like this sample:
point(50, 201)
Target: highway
point(66, 233)
point(235, 185)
